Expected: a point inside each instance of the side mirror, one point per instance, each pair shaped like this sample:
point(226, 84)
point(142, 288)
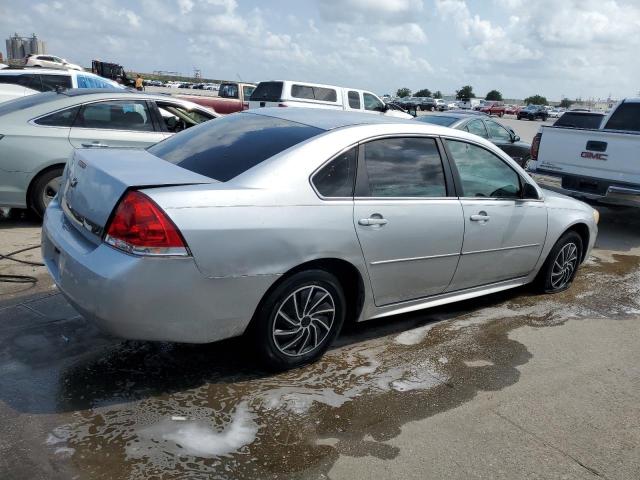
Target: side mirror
point(514, 138)
point(529, 192)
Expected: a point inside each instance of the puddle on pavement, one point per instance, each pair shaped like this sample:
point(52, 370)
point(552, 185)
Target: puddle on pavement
point(162, 412)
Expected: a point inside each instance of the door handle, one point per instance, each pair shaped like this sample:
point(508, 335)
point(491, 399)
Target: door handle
point(94, 145)
point(480, 217)
point(371, 221)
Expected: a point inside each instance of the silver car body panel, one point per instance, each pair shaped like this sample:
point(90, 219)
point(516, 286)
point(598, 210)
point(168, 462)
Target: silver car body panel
point(248, 232)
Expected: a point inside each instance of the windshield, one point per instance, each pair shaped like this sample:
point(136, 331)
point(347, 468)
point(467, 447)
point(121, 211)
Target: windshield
point(438, 120)
point(231, 145)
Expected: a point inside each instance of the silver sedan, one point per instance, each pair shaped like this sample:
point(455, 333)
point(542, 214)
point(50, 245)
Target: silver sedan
point(38, 134)
point(285, 223)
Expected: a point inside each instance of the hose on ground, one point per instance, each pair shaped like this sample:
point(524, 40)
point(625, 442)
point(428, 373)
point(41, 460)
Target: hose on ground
point(19, 278)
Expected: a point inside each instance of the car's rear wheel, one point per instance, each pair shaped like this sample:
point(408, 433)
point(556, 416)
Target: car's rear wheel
point(44, 188)
point(559, 270)
point(299, 319)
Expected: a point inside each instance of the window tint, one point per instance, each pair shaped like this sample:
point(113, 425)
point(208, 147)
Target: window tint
point(482, 173)
point(325, 94)
point(228, 90)
point(437, 120)
point(497, 131)
point(579, 120)
point(625, 117)
point(116, 115)
point(28, 80)
point(336, 178)
point(232, 145)
point(63, 118)
point(371, 102)
point(477, 128)
point(302, 91)
point(354, 99)
point(267, 92)
point(404, 167)
point(52, 82)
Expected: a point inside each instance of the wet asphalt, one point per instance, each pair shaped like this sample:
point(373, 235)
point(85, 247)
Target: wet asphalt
point(76, 403)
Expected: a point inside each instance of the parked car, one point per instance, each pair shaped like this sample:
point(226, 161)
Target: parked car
point(580, 119)
point(271, 232)
point(469, 103)
point(493, 108)
point(441, 105)
point(533, 112)
point(555, 112)
point(33, 80)
point(485, 127)
point(287, 93)
point(50, 61)
point(512, 109)
point(40, 132)
point(600, 163)
point(112, 71)
point(232, 97)
point(426, 103)
point(2, 65)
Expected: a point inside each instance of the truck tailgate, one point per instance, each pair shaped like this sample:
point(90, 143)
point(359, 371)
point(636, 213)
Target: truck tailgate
point(594, 154)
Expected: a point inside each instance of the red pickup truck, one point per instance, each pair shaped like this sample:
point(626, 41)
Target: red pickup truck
point(232, 97)
point(493, 108)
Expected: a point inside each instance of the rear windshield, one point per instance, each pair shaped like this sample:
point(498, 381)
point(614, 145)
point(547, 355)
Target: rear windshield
point(232, 145)
point(579, 120)
point(267, 92)
point(438, 120)
point(27, 102)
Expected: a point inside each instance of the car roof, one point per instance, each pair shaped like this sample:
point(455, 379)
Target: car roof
point(48, 71)
point(325, 119)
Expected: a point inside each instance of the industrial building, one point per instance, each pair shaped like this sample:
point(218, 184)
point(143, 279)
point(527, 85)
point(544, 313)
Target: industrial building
point(19, 47)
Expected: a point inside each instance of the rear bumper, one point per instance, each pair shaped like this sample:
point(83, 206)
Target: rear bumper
point(613, 194)
point(146, 298)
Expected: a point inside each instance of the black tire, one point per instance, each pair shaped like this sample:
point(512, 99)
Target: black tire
point(39, 187)
point(548, 277)
point(269, 319)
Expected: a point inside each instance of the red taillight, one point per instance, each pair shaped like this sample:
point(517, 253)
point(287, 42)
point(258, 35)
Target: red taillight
point(535, 146)
point(140, 226)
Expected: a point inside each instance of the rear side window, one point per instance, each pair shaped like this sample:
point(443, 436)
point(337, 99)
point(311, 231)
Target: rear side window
point(63, 118)
point(25, 80)
point(626, 117)
point(53, 82)
point(336, 179)
point(404, 167)
point(354, 99)
point(267, 92)
point(232, 145)
point(228, 90)
point(314, 93)
point(116, 115)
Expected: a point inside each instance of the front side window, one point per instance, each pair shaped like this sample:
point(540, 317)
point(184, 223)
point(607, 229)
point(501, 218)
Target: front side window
point(404, 167)
point(477, 128)
point(482, 173)
point(232, 145)
point(354, 99)
point(371, 102)
point(116, 115)
point(54, 82)
point(63, 118)
point(336, 179)
point(497, 131)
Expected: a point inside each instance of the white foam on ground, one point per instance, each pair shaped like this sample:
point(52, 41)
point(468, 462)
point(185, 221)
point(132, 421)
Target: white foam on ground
point(198, 438)
point(478, 363)
point(414, 336)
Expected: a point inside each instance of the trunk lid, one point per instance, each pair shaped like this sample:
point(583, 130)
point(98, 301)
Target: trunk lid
point(95, 180)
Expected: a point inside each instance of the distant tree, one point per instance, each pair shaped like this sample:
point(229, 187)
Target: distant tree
point(535, 100)
point(566, 103)
point(494, 95)
point(465, 92)
point(425, 92)
point(403, 92)
point(437, 94)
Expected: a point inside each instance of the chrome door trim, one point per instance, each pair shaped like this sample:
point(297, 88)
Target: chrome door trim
point(501, 249)
point(411, 259)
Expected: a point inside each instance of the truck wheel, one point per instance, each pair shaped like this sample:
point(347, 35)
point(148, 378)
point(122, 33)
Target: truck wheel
point(44, 188)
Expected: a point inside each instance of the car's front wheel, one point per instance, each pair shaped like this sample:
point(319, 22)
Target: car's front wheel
point(299, 319)
point(559, 270)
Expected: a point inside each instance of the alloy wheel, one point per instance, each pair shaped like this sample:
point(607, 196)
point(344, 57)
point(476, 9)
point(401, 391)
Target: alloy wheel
point(564, 266)
point(303, 320)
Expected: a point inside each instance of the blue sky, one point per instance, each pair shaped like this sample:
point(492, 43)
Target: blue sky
point(583, 48)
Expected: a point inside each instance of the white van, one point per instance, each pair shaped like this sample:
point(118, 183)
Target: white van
point(287, 93)
point(20, 82)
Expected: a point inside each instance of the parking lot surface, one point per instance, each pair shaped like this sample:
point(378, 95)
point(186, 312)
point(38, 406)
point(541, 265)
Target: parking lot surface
point(514, 385)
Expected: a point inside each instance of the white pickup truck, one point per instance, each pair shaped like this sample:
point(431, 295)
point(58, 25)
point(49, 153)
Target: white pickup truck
point(600, 164)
